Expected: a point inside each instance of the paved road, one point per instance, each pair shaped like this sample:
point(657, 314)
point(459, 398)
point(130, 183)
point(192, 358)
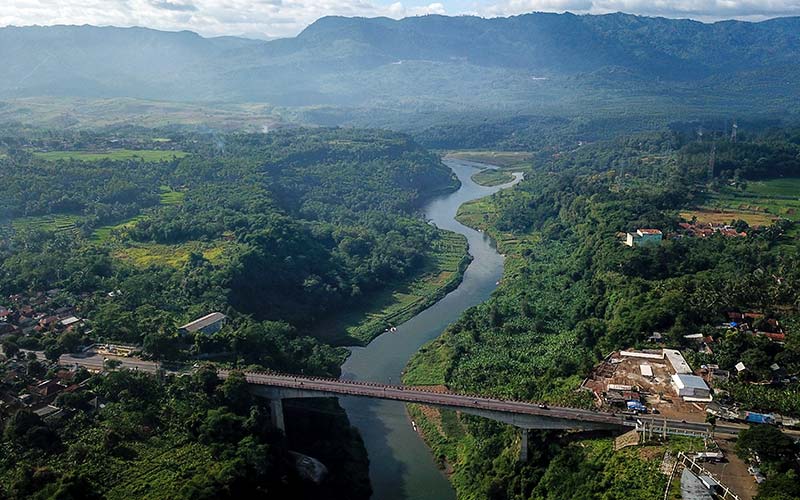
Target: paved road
point(94, 361)
point(452, 400)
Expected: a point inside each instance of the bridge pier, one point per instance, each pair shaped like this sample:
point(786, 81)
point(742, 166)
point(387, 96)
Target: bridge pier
point(523, 446)
point(276, 414)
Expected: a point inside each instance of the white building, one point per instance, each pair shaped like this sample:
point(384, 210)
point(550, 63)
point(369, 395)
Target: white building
point(678, 362)
point(691, 387)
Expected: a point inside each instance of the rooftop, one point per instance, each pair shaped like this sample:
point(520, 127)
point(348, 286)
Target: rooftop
point(689, 381)
point(203, 322)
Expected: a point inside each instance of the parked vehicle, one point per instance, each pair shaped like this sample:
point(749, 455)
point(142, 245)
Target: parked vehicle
point(758, 418)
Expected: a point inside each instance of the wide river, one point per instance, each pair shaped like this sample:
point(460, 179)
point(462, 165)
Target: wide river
point(401, 465)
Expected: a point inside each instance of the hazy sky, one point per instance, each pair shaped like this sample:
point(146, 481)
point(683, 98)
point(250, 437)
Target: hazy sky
point(272, 18)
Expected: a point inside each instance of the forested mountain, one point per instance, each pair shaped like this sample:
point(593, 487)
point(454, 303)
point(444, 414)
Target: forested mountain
point(534, 61)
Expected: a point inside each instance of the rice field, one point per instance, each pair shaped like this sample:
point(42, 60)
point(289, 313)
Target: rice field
point(57, 223)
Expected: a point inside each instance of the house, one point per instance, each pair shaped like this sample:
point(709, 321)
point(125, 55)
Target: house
point(208, 324)
point(644, 237)
point(70, 321)
point(691, 387)
point(677, 361)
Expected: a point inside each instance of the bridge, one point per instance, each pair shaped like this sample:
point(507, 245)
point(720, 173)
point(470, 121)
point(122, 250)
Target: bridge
point(521, 414)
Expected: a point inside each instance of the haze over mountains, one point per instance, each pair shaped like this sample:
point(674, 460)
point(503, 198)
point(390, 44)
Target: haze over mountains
point(530, 62)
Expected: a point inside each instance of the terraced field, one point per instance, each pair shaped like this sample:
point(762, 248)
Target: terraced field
point(57, 223)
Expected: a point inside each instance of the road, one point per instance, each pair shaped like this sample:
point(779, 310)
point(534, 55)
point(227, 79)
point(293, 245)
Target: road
point(93, 361)
point(453, 400)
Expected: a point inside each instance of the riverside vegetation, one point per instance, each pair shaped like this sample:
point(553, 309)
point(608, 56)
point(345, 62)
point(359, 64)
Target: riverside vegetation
point(572, 293)
point(280, 232)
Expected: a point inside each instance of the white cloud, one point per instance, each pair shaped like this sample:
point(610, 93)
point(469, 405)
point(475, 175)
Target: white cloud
point(260, 18)
point(270, 18)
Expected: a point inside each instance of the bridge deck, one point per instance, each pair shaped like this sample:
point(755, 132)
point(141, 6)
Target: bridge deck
point(428, 396)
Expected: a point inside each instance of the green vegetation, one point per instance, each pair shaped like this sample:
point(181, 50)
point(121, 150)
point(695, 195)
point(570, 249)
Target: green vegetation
point(490, 177)
point(572, 292)
point(114, 154)
point(762, 201)
point(777, 458)
point(145, 255)
point(60, 223)
point(173, 438)
point(441, 273)
point(504, 159)
point(279, 232)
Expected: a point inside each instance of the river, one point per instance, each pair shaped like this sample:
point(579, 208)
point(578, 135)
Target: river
point(401, 465)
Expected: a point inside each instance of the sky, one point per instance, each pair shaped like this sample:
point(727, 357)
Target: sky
point(282, 18)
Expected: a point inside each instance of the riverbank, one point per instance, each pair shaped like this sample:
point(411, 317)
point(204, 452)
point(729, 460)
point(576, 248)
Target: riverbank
point(401, 465)
point(442, 273)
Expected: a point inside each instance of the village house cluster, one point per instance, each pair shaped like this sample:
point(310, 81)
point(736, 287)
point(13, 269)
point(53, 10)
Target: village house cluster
point(648, 236)
point(37, 314)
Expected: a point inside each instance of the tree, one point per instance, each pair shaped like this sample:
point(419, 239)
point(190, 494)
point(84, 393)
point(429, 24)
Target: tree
point(236, 392)
point(10, 349)
point(772, 446)
point(222, 426)
point(161, 345)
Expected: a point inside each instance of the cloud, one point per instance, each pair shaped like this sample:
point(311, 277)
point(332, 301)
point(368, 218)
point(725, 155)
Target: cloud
point(264, 18)
point(275, 18)
point(178, 7)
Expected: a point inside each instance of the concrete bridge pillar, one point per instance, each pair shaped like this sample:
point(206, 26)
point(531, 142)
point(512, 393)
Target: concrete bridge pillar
point(276, 414)
point(523, 446)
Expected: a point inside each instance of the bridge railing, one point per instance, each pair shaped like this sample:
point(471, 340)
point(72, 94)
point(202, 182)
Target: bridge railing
point(422, 389)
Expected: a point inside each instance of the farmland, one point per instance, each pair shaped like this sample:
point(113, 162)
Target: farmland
point(148, 155)
point(759, 204)
point(57, 223)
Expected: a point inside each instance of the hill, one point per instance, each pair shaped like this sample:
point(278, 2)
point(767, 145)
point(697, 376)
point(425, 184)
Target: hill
point(534, 62)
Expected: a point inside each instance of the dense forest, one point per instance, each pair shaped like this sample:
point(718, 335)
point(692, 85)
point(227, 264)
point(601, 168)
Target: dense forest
point(140, 234)
point(180, 437)
point(573, 293)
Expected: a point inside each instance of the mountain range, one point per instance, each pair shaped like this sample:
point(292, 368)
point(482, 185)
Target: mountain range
point(433, 63)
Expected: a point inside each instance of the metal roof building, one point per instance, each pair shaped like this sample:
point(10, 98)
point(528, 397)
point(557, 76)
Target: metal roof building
point(690, 386)
point(208, 324)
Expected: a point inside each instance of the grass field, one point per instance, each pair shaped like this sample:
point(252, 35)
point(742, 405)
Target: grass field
point(505, 159)
point(152, 155)
point(490, 177)
point(147, 254)
point(400, 301)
